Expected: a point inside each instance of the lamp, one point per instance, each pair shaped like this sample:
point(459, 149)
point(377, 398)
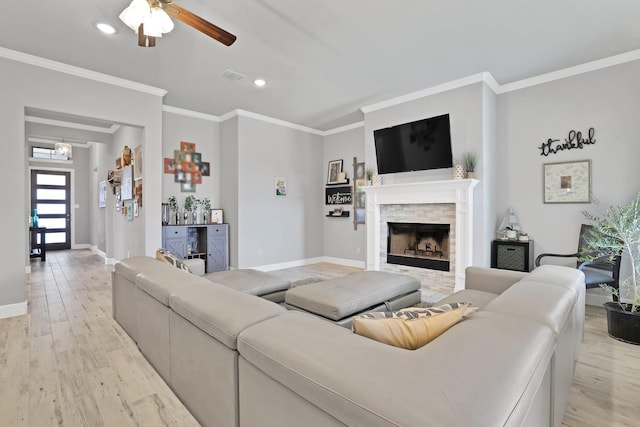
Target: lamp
point(155, 20)
point(63, 149)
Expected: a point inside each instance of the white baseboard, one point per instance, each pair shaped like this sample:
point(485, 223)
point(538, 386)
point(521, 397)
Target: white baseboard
point(344, 261)
point(11, 310)
point(81, 246)
point(110, 261)
point(289, 264)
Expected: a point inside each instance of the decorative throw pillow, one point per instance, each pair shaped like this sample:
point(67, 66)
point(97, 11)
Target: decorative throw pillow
point(411, 328)
point(168, 257)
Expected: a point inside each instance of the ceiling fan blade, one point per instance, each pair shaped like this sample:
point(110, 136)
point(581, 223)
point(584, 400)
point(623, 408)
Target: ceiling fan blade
point(200, 24)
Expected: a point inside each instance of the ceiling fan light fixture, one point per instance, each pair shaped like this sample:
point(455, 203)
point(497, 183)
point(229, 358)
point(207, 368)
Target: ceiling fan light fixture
point(135, 14)
point(63, 149)
point(157, 23)
point(260, 82)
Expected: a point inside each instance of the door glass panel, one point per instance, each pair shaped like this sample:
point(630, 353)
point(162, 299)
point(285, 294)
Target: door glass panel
point(51, 179)
point(52, 222)
point(43, 193)
point(56, 237)
point(46, 209)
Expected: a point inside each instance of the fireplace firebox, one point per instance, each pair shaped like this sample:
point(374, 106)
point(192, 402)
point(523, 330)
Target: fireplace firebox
point(418, 245)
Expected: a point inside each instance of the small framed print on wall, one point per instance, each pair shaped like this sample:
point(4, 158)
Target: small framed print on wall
point(567, 182)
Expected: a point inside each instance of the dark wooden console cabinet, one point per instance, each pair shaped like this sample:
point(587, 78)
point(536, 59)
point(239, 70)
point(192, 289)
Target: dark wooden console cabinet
point(512, 255)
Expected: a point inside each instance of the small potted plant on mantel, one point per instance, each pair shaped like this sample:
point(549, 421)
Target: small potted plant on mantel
point(617, 232)
point(469, 163)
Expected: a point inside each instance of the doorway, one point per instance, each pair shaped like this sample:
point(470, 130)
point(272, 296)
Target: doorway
point(51, 198)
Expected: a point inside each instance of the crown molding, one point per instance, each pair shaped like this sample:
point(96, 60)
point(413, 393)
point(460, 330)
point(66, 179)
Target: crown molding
point(49, 64)
point(256, 116)
point(344, 128)
point(61, 123)
point(455, 84)
point(599, 64)
point(190, 113)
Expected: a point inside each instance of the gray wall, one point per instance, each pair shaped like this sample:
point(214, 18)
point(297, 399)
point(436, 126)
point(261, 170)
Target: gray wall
point(37, 87)
point(273, 230)
point(205, 134)
point(229, 173)
point(126, 238)
point(340, 239)
point(607, 100)
point(472, 121)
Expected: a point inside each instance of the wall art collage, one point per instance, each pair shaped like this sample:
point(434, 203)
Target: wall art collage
point(187, 167)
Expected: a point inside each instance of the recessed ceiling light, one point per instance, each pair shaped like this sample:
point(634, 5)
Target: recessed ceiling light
point(105, 28)
point(259, 82)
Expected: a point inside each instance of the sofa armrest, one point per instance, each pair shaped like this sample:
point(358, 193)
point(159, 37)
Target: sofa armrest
point(491, 279)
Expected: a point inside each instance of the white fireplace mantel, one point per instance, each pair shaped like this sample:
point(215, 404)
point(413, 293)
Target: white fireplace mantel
point(459, 192)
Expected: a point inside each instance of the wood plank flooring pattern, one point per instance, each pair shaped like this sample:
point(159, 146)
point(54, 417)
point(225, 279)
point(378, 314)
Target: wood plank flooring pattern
point(68, 363)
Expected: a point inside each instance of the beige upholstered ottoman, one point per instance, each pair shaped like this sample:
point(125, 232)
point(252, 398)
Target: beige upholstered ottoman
point(342, 298)
point(252, 282)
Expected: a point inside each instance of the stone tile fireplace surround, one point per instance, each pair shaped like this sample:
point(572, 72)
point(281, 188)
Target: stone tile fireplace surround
point(437, 202)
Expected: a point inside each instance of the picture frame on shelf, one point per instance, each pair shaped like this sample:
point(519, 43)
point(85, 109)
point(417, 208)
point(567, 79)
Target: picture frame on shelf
point(333, 174)
point(217, 216)
point(567, 182)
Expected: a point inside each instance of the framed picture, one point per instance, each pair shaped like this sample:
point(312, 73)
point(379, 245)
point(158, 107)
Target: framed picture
point(137, 162)
point(189, 167)
point(180, 176)
point(137, 192)
point(188, 187)
point(187, 147)
point(135, 208)
point(567, 182)
point(335, 167)
point(205, 168)
point(216, 216)
point(196, 177)
point(129, 211)
point(102, 194)
point(179, 156)
point(127, 183)
point(169, 165)
point(280, 186)
point(196, 158)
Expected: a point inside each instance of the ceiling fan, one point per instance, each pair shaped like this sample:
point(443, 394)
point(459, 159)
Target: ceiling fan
point(150, 19)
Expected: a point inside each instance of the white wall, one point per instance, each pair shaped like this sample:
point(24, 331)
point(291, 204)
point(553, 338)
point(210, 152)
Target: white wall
point(229, 172)
point(341, 242)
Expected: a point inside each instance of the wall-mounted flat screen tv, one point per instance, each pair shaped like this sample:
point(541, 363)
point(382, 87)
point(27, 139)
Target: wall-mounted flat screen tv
point(420, 145)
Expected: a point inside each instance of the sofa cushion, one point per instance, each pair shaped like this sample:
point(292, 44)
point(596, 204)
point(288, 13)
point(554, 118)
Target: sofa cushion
point(250, 281)
point(169, 258)
point(221, 312)
point(410, 328)
point(164, 280)
point(130, 267)
point(345, 296)
point(475, 297)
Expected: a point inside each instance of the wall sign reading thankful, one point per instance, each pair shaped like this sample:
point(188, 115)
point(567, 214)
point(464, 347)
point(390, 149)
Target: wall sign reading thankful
point(573, 141)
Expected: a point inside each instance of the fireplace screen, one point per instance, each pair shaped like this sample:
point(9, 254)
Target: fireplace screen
point(419, 245)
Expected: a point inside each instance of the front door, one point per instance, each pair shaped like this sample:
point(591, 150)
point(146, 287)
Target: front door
point(50, 196)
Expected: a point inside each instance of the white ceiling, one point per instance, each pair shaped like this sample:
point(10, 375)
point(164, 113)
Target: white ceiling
point(323, 59)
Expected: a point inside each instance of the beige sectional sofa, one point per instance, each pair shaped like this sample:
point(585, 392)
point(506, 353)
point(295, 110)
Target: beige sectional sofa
point(240, 360)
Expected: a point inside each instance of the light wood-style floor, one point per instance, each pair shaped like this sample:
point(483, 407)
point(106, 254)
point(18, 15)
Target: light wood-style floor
point(67, 362)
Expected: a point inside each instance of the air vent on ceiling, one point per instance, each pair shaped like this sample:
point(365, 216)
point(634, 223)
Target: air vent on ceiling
point(234, 76)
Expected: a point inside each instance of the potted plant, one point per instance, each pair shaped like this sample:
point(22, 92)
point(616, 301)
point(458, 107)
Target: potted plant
point(205, 203)
point(617, 232)
point(469, 163)
point(173, 205)
point(369, 173)
point(189, 207)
